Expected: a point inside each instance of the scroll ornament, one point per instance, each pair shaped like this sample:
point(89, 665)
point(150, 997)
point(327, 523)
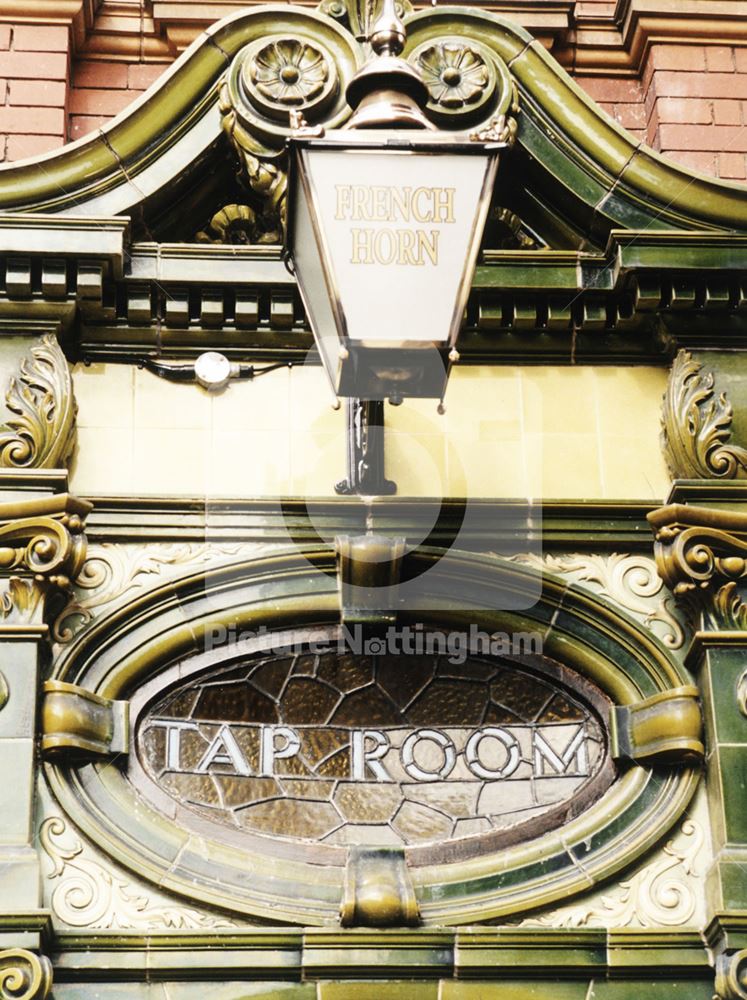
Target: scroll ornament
point(631, 581)
point(41, 435)
point(268, 80)
point(24, 975)
point(275, 84)
point(697, 424)
point(42, 543)
point(701, 555)
point(663, 893)
point(266, 179)
point(731, 976)
point(86, 894)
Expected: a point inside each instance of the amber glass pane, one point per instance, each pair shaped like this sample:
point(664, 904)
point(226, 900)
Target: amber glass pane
point(344, 749)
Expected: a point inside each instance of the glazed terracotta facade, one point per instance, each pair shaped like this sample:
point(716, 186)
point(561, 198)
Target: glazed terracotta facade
point(264, 734)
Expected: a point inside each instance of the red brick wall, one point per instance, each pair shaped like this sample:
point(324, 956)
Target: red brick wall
point(696, 98)
point(622, 99)
point(48, 98)
point(690, 102)
point(34, 68)
point(691, 105)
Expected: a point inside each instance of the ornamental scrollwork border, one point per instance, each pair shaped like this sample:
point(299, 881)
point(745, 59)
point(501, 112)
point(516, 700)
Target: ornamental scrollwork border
point(631, 581)
point(112, 572)
point(663, 893)
point(41, 434)
point(87, 894)
point(697, 425)
point(305, 67)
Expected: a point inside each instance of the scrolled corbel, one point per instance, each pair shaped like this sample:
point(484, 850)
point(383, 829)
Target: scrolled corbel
point(78, 721)
point(701, 555)
point(24, 975)
point(731, 976)
point(43, 546)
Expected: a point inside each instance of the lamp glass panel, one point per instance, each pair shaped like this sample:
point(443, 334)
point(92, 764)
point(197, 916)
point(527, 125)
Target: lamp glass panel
point(399, 228)
point(308, 260)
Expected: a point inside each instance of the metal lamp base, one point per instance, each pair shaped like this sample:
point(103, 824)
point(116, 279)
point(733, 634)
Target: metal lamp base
point(365, 450)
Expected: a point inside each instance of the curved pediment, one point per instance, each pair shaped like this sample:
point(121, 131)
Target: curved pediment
point(169, 161)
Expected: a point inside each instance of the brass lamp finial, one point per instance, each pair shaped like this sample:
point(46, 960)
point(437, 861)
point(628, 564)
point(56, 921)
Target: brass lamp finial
point(388, 34)
point(388, 92)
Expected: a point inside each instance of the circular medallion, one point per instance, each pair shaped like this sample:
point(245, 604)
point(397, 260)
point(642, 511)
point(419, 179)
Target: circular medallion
point(459, 77)
point(286, 74)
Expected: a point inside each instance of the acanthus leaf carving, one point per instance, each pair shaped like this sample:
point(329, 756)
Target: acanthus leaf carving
point(697, 425)
point(234, 224)
point(89, 895)
point(42, 433)
point(23, 601)
point(358, 15)
point(112, 572)
point(264, 170)
point(661, 894)
point(728, 610)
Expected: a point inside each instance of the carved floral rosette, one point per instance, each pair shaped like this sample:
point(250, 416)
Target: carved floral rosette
point(307, 70)
point(460, 76)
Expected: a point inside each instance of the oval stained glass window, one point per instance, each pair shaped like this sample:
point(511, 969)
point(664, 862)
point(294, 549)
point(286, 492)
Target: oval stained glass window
point(337, 749)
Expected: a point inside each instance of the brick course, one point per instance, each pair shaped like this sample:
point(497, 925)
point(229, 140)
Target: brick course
point(33, 66)
point(100, 75)
point(44, 93)
point(85, 101)
point(690, 101)
point(21, 146)
point(39, 38)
